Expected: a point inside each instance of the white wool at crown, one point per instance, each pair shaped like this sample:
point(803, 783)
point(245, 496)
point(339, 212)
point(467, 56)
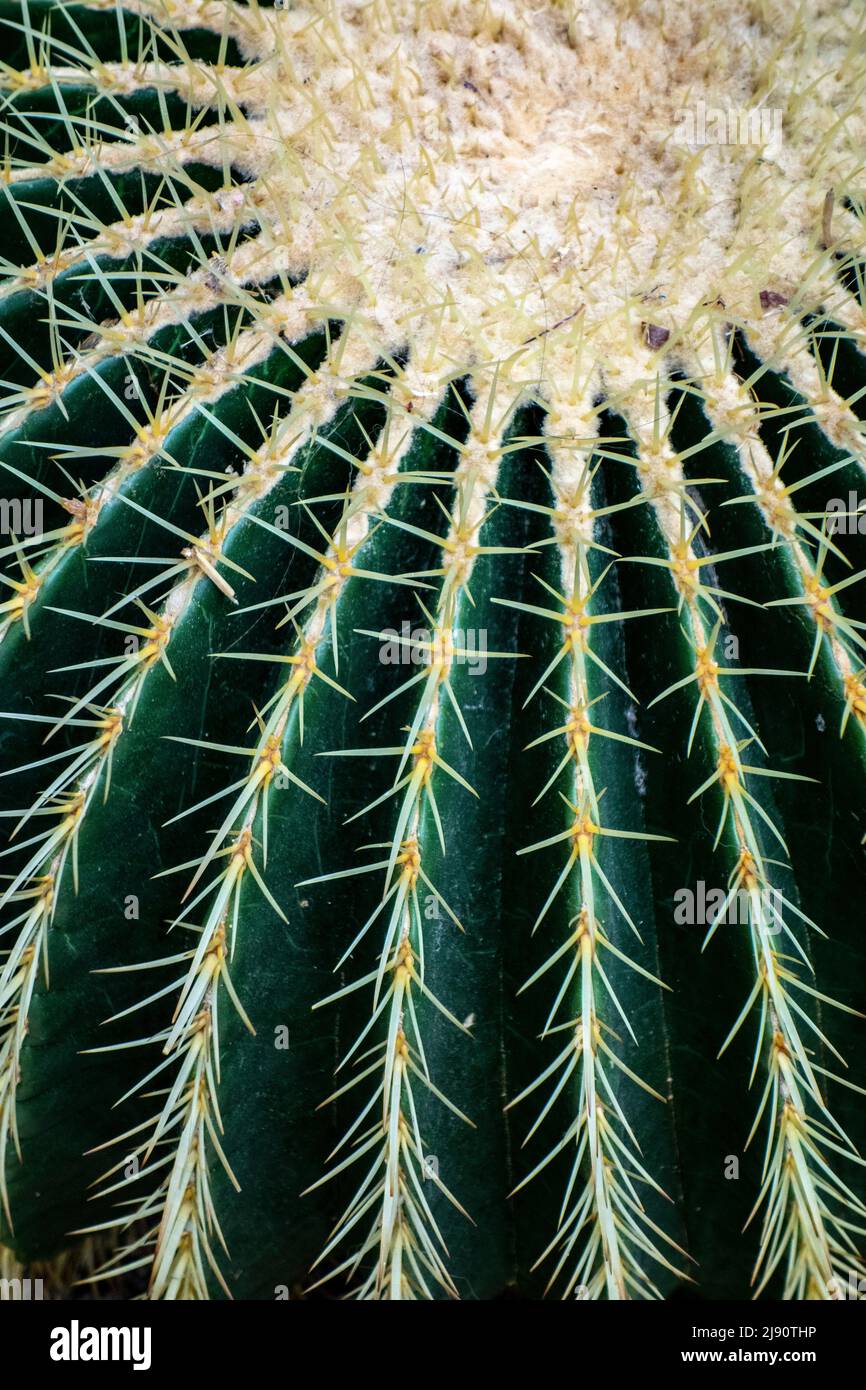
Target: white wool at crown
point(528, 157)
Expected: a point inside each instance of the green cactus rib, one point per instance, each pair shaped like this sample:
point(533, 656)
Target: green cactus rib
point(447, 572)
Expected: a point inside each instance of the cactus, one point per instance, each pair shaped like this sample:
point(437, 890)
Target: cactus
point(433, 696)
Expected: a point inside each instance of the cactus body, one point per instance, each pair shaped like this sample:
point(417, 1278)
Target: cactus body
point(433, 705)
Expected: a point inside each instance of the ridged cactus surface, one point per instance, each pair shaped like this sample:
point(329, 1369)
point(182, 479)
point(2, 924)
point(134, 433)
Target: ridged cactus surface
point(432, 647)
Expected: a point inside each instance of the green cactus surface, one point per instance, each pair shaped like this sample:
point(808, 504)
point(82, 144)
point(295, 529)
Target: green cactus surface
point(432, 694)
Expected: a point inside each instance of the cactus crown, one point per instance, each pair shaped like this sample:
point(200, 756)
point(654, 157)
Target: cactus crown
point(459, 335)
